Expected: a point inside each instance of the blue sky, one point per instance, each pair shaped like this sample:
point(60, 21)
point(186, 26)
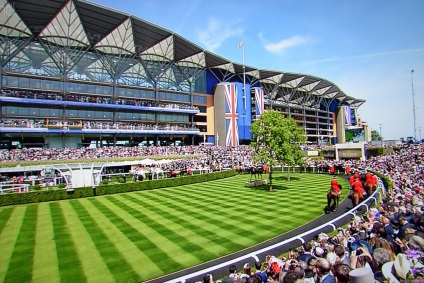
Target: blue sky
point(366, 48)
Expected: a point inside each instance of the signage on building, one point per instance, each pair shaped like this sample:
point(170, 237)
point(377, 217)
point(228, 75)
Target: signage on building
point(313, 153)
point(350, 153)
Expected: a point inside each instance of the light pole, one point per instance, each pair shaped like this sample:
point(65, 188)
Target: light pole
point(420, 133)
point(381, 136)
point(413, 106)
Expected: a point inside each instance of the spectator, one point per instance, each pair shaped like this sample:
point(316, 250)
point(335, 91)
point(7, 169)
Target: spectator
point(207, 278)
point(322, 270)
point(341, 273)
point(233, 275)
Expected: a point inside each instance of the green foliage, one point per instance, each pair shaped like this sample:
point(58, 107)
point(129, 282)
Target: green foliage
point(388, 184)
point(35, 188)
point(374, 151)
point(375, 136)
point(62, 185)
point(105, 189)
point(105, 181)
point(121, 180)
point(277, 139)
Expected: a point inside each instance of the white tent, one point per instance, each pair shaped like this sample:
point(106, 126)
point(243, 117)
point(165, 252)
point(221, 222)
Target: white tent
point(147, 162)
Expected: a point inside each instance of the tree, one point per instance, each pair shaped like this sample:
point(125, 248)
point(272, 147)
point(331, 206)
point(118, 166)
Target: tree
point(375, 136)
point(276, 140)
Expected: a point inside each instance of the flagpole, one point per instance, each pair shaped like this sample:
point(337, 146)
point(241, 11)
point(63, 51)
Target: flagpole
point(244, 79)
point(413, 107)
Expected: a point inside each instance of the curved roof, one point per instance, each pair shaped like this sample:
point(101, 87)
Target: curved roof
point(86, 25)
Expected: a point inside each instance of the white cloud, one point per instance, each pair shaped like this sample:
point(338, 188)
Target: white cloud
point(283, 45)
point(216, 33)
point(365, 56)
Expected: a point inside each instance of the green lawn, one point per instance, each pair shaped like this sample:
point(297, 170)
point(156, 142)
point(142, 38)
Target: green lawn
point(138, 236)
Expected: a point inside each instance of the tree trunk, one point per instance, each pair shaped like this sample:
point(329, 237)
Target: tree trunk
point(270, 178)
point(288, 174)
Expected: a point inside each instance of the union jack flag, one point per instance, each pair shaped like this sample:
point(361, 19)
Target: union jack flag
point(259, 96)
point(231, 116)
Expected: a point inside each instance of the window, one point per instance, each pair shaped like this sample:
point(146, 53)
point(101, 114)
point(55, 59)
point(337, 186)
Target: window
point(199, 99)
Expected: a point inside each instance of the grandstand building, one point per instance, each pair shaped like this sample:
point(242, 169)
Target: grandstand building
point(74, 73)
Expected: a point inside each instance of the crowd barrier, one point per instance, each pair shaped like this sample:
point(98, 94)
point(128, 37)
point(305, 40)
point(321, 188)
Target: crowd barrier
point(375, 199)
point(10, 187)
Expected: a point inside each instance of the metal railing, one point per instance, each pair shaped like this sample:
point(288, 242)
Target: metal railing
point(378, 193)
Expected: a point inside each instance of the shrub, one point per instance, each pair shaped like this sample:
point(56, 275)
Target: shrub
point(35, 188)
point(62, 185)
point(106, 188)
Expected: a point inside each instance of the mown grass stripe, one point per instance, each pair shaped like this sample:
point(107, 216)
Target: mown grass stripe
point(21, 260)
point(4, 217)
point(219, 203)
point(152, 217)
point(211, 244)
point(119, 254)
point(204, 225)
point(45, 262)
point(231, 213)
point(92, 262)
point(126, 222)
point(224, 217)
point(210, 215)
point(8, 239)
point(70, 268)
point(161, 225)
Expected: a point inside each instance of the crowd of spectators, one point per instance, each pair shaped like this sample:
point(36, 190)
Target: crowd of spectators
point(227, 156)
point(30, 123)
point(94, 99)
point(385, 243)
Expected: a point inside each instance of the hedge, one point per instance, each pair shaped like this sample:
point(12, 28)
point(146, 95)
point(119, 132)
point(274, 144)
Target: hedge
point(106, 189)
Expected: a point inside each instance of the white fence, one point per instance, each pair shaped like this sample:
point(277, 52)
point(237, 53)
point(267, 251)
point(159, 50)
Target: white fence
point(380, 192)
point(10, 187)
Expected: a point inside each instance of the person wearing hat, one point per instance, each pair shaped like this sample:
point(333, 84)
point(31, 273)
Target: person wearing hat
point(335, 185)
point(397, 269)
point(362, 275)
point(319, 252)
point(380, 257)
point(357, 186)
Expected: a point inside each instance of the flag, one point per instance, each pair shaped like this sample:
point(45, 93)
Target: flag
point(240, 44)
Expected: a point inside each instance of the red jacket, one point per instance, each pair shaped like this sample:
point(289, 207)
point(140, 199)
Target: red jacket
point(335, 185)
point(357, 186)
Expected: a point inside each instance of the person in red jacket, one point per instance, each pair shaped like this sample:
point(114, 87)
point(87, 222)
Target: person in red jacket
point(357, 187)
point(351, 179)
point(335, 185)
point(374, 181)
point(368, 177)
point(347, 170)
point(332, 169)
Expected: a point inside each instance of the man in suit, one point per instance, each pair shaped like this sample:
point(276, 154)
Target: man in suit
point(322, 270)
point(307, 248)
point(404, 224)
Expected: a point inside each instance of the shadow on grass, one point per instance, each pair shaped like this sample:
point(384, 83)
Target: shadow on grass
point(275, 187)
point(284, 178)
